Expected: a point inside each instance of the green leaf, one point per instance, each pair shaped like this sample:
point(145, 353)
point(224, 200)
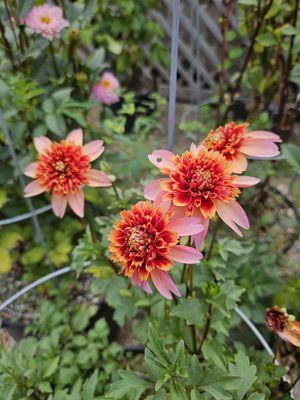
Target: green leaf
point(33, 256)
point(273, 11)
point(266, 39)
point(56, 124)
point(288, 29)
point(62, 96)
point(97, 61)
point(291, 153)
point(3, 197)
point(81, 319)
point(9, 239)
point(244, 371)
point(76, 116)
point(214, 351)
point(248, 2)
point(45, 387)
point(5, 261)
point(189, 309)
point(129, 385)
point(51, 367)
point(89, 386)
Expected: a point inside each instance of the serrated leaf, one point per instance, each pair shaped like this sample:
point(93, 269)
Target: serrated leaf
point(51, 368)
point(245, 372)
point(89, 386)
point(189, 309)
point(129, 385)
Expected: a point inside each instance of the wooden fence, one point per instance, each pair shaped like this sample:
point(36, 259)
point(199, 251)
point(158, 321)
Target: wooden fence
point(199, 47)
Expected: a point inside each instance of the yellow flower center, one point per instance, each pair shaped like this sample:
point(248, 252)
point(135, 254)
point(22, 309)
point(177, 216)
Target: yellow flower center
point(46, 19)
point(105, 83)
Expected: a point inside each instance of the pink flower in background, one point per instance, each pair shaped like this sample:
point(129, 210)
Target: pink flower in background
point(63, 169)
point(47, 20)
point(146, 242)
point(235, 143)
point(107, 90)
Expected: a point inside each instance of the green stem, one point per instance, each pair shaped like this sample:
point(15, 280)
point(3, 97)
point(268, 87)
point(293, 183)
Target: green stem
point(210, 307)
point(116, 191)
point(52, 52)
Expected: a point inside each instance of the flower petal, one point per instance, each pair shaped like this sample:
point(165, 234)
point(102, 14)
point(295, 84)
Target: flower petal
point(245, 181)
point(153, 189)
point(263, 135)
point(164, 284)
point(162, 159)
point(94, 149)
point(76, 201)
point(136, 281)
point(185, 226)
point(98, 178)
point(41, 143)
point(33, 189)
point(185, 254)
point(75, 136)
point(59, 205)
point(198, 238)
point(232, 214)
point(159, 202)
point(259, 148)
point(30, 169)
point(238, 164)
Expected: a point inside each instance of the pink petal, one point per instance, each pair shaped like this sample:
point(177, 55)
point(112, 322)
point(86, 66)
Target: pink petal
point(59, 205)
point(259, 148)
point(185, 226)
point(41, 143)
point(94, 149)
point(185, 254)
point(263, 135)
point(153, 189)
point(33, 189)
point(76, 201)
point(75, 136)
point(199, 238)
point(232, 214)
point(162, 159)
point(136, 281)
point(98, 178)
point(245, 181)
point(164, 284)
point(238, 164)
point(159, 202)
point(29, 170)
point(170, 284)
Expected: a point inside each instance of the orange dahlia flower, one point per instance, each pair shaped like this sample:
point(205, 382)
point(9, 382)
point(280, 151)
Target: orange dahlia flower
point(63, 169)
point(145, 244)
point(199, 183)
point(235, 143)
point(280, 322)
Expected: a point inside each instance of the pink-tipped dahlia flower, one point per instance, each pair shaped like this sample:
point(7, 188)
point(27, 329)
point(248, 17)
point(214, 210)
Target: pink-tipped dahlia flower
point(63, 169)
point(199, 183)
point(145, 244)
point(107, 90)
point(235, 143)
point(47, 20)
point(280, 322)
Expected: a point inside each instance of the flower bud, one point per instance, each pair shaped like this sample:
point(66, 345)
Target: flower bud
point(81, 78)
point(74, 35)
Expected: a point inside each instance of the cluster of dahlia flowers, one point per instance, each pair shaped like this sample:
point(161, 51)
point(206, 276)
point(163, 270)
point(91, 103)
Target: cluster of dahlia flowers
point(196, 185)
